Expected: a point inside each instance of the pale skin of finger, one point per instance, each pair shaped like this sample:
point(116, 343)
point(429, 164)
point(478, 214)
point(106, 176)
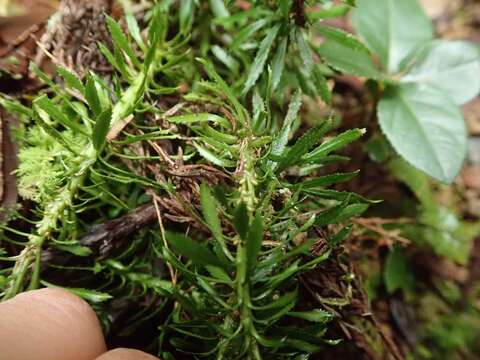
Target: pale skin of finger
point(126, 354)
point(49, 324)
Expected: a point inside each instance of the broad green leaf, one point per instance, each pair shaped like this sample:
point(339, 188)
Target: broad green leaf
point(392, 29)
point(397, 273)
point(348, 60)
point(241, 220)
point(194, 251)
point(452, 67)
point(426, 128)
point(316, 315)
point(254, 240)
point(100, 131)
point(210, 212)
point(260, 59)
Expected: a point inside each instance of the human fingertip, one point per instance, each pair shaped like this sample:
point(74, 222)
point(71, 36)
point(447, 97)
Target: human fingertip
point(126, 354)
point(51, 324)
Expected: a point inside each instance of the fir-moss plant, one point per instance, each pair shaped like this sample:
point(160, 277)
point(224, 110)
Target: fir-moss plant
point(255, 208)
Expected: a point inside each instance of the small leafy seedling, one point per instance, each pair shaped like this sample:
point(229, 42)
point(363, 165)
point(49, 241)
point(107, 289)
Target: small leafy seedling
point(423, 81)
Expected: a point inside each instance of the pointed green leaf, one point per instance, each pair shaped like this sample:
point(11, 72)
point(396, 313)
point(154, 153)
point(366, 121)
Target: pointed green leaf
point(121, 41)
point(426, 128)
point(210, 212)
point(334, 144)
point(241, 220)
point(219, 9)
point(341, 37)
point(278, 63)
point(303, 145)
point(348, 60)
point(53, 110)
point(281, 139)
point(260, 59)
point(194, 251)
point(316, 315)
point(100, 131)
point(326, 180)
point(71, 79)
point(91, 95)
point(254, 240)
point(305, 51)
point(185, 15)
point(134, 30)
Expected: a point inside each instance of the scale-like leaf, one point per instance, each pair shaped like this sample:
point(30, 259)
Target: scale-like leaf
point(392, 29)
point(426, 128)
point(452, 67)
